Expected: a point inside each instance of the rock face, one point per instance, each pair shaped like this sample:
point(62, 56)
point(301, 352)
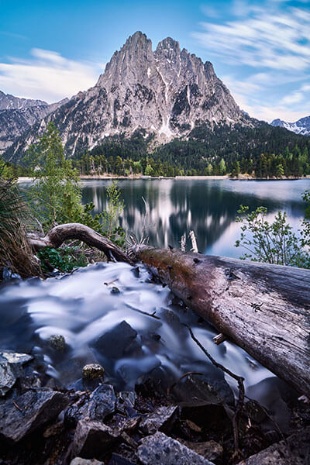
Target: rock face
point(302, 126)
point(166, 92)
point(18, 115)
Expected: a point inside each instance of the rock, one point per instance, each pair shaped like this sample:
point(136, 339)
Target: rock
point(97, 406)
point(118, 342)
point(210, 450)
point(28, 412)
point(57, 342)
point(93, 375)
point(162, 449)
point(92, 371)
point(119, 460)
point(295, 450)
point(80, 461)
point(102, 402)
point(10, 368)
point(125, 403)
point(92, 439)
point(161, 418)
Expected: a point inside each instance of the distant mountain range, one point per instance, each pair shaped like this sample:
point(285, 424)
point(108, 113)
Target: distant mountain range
point(302, 126)
point(18, 115)
point(162, 95)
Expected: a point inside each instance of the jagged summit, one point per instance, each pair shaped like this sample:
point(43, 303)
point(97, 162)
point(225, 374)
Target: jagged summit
point(166, 92)
point(302, 126)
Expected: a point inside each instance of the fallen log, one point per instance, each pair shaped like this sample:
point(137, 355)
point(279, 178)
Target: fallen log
point(59, 234)
point(265, 309)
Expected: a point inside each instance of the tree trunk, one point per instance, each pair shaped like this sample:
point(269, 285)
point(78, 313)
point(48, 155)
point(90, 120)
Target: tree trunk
point(265, 309)
point(59, 234)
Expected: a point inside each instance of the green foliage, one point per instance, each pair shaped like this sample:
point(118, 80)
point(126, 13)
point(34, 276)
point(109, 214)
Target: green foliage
point(110, 217)
point(305, 232)
point(6, 170)
point(64, 259)
point(55, 196)
point(271, 242)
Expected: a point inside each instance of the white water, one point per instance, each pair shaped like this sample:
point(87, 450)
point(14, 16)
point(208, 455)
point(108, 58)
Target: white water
point(86, 306)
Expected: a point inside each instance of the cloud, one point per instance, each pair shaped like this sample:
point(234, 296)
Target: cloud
point(47, 76)
point(263, 50)
point(264, 38)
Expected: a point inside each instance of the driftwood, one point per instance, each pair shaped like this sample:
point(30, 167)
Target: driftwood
point(265, 309)
point(59, 234)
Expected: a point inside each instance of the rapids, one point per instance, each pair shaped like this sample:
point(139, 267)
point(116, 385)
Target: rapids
point(115, 315)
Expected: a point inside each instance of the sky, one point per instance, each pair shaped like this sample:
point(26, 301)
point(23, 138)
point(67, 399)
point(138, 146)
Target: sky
point(260, 49)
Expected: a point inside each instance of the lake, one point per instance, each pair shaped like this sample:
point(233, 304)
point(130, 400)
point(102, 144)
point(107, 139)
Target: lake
point(164, 209)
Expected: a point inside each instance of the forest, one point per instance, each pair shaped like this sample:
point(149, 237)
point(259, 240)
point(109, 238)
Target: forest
point(262, 152)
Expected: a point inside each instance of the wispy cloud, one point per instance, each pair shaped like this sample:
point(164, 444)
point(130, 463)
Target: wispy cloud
point(47, 76)
point(266, 45)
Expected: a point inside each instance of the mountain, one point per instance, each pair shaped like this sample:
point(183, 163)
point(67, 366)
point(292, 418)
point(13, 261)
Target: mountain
point(18, 115)
point(164, 93)
point(302, 126)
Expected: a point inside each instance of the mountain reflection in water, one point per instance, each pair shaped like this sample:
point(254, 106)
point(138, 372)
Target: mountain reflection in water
point(164, 209)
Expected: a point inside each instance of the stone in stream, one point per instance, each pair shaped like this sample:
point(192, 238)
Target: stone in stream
point(97, 406)
point(162, 417)
point(10, 369)
point(21, 415)
point(92, 439)
point(162, 449)
point(295, 450)
point(118, 342)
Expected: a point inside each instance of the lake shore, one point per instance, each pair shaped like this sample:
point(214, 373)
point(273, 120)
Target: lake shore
point(241, 177)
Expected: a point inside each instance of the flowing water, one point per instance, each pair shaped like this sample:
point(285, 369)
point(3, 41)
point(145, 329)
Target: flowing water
point(113, 314)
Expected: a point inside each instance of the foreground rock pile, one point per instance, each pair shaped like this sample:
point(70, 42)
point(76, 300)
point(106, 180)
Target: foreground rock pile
point(96, 425)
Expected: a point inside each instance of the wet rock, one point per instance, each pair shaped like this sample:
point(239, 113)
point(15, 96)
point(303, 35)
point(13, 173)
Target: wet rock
point(11, 365)
point(93, 371)
point(162, 449)
point(118, 342)
point(202, 389)
point(92, 439)
point(102, 402)
point(93, 375)
point(210, 450)
point(28, 412)
point(295, 450)
point(80, 461)
point(97, 406)
point(125, 403)
point(117, 459)
point(57, 342)
point(161, 418)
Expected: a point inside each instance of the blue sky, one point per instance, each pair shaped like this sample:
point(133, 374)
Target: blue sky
point(51, 49)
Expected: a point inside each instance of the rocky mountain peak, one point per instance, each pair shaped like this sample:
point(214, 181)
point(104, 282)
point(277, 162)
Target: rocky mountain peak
point(302, 126)
point(166, 93)
point(9, 102)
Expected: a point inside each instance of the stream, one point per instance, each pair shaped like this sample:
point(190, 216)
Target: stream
point(115, 315)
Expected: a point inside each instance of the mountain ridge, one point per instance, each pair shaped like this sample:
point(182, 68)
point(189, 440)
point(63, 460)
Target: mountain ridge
point(18, 115)
point(166, 92)
point(301, 126)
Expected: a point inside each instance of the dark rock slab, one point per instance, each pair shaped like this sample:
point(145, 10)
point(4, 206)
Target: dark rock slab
point(162, 417)
point(81, 461)
point(295, 450)
point(28, 412)
point(162, 449)
point(92, 439)
point(118, 342)
point(102, 402)
point(97, 406)
point(10, 368)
